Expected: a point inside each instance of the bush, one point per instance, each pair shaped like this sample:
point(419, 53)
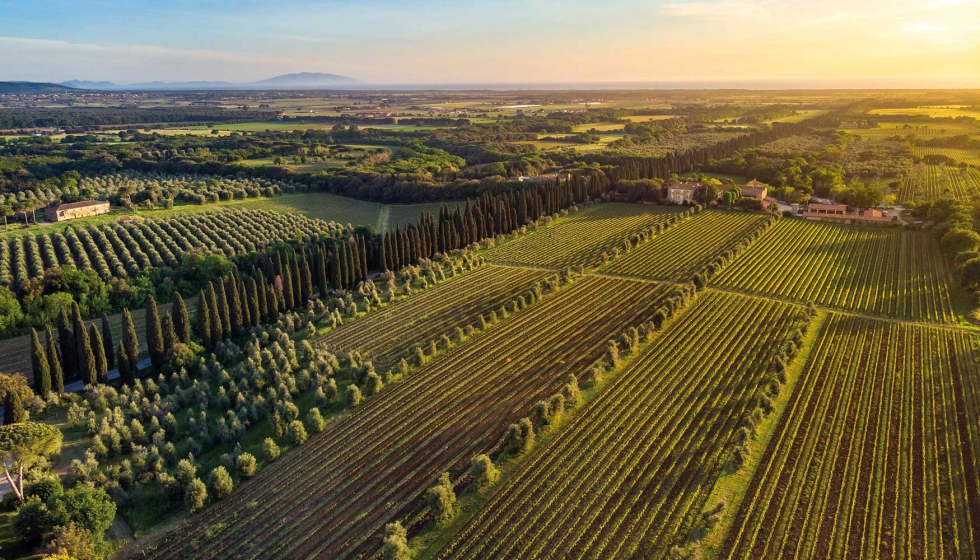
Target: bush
point(89, 508)
point(46, 489)
point(221, 482)
point(316, 420)
point(297, 433)
point(483, 471)
point(354, 396)
point(271, 449)
point(196, 495)
point(442, 497)
point(246, 465)
point(396, 543)
point(33, 521)
point(76, 543)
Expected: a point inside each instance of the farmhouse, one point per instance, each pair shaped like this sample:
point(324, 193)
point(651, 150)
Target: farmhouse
point(682, 193)
point(846, 214)
point(74, 210)
point(755, 189)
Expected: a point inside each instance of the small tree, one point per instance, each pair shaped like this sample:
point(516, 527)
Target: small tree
point(354, 396)
point(98, 353)
point(154, 334)
point(520, 436)
point(131, 342)
point(442, 497)
point(182, 322)
point(271, 449)
point(246, 465)
point(13, 409)
point(54, 363)
point(76, 543)
point(22, 445)
point(483, 471)
point(196, 495)
point(316, 421)
point(396, 543)
point(87, 507)
point(108, 343)
point(221, 482)
point(297, 433)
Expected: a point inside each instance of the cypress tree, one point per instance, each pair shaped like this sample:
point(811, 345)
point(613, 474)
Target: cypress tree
point(86, 359)
point(66, 343)
point(131, 345)
point(13, 409)
point(252, 299)
point(383, 256)
point(169, 335)
point(223, 312)
point(234, 307)
point(98, 353)
point(108, 344)
point(212, 301)
point(54, 363)
point(364, 258)
point(273, 303)
point(203, 319)
point(40, 367)
point(305, 279)
point(336, 275)
point(182, 321)
point(125, 372)
point(320, 264)
point(261, 288)
point(286, 280)
point(154, 335)
point(296, 274)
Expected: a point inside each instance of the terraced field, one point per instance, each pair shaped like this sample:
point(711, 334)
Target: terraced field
point(582, 239)
point(331, 497)
point(622, 478)
point(684, 250)
point(876, 456)
point(887, 272)
point(392, 332)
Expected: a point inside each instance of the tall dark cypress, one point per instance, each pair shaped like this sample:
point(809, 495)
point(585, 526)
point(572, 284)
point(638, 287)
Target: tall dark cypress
point(204, 324)
point(154, 335)
point(213, 314)
point(108, 344)
point(98, 353)
point(305, 279)
point(86, 359)
point(286, 280)
point(126, 375)
point(40, 366)
point(223, 312)
point(182, 321)
point(383, 257)
point(234, 306)
point(244, 298)
point(320, 265)
point(169, 334)
point(295, 275)
point(273, 303)
point(364, 258)
point(54, 364)
point(13, 409)
point(261, 288)
point(252, 298)
point(336, 274)
point(66, 343)
point(132, 346)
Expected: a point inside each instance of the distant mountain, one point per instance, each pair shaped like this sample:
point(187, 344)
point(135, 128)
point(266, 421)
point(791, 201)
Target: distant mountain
point(85, 84)
point(31, 87)
point(305, 80)
point(301, 80)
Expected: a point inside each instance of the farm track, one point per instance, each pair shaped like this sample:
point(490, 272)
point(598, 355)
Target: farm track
point(346, 483)
point(875, 456)
point(622, 478)
point(391, 333)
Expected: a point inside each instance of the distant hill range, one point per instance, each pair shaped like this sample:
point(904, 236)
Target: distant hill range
point(302, 80)
point(9, 88)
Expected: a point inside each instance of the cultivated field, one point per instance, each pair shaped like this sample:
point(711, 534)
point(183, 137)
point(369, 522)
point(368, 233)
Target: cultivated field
point(343, 485)
point(886, 272)
point(876, 456)
point(971, 157)
point(581, 240)
point(621, 479)
point(932, 182)
point(391, 333)
point(687, 248)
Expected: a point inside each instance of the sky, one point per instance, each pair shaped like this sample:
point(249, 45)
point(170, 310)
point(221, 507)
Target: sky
point(858, 43)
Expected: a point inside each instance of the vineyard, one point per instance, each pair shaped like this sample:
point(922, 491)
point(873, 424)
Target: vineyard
point(122, 250)
point(623, 477)
point(342, 486)
point(686, 249)
point(389, 334)
point(971, 157)
point(886, 272)
point(876, 454)
point(583, 239)
point(932, 182)
point(903, 129)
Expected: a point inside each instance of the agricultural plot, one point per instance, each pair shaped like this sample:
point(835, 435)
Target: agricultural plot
point(686, 249)
point(917, 128)
point(391, 333)
point(123, 250)
point(331, 497)
point(971, 157)
point(581, 240)
point(887, 272)
point(621, 480)
point(876, 454)
point(932, 182)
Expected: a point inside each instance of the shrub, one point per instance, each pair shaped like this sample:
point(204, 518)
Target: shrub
point(483, 471)
point(270, 449)
point(442, 497)
point(297, 433)
point(246, 465)
point(316, 420)
point(396, 543)
point(221, 482)
point(196, 495)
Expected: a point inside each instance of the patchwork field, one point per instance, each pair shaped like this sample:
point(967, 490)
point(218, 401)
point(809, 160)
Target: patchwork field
point(621, 480)
point(582, 239)
point(369, 466)
point(390, 334)
point(876, 455)
point(687, 248)
point(887, 272)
